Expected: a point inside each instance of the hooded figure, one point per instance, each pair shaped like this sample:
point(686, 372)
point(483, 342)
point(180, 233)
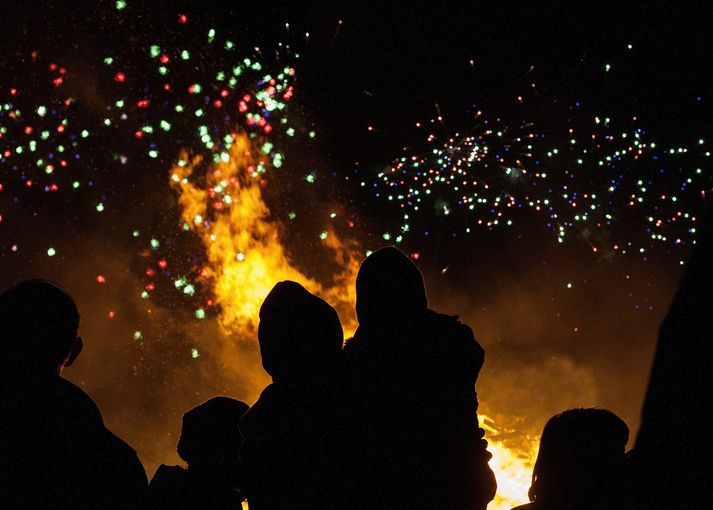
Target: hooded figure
point(416, 372)
point(293, 440)
point(209, 444)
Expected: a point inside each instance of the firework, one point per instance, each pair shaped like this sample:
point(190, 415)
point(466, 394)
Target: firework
point(41, 140)
point(591, 178)
point(482, 177)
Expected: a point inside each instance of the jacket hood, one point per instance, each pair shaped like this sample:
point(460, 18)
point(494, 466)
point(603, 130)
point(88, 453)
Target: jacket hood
point(299, 333)
point(389, 285)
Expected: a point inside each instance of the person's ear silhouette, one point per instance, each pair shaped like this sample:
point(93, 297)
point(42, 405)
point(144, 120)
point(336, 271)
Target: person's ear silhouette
point(76, 349)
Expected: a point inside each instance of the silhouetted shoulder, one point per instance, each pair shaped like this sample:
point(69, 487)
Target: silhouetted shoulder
point(77, 405)
point(452, 330)
point(168, 486)
point(258, 418)
point(125, 460)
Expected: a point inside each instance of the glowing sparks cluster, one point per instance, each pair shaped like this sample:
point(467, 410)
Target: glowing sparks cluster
point(589, 180)
point(483, 174)
point(227, 115)
point(40, 142)
point(244, 254)
point(184, 92)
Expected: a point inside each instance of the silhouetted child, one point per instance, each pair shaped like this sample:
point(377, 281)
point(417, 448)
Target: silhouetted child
point(292, 449)
point(54, 447)
point(209, 444)
point(421, 446)
point(581, 463)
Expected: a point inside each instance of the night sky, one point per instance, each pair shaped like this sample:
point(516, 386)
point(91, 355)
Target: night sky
point(563, 325)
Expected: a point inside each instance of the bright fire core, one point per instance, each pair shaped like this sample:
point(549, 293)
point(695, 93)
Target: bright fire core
point(223, 205)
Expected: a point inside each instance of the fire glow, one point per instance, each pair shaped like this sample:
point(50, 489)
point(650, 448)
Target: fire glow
point(224, 206)
point(244, 254)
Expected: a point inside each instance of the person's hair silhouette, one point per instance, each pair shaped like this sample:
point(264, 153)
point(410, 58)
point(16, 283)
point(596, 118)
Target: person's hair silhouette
point(415, 371)
point(56, 451)
point(39, 322)
point(581, 461)
point(209, 444)
point(293, 446)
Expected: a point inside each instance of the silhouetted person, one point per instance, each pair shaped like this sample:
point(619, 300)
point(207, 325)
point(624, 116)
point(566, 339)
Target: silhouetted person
point(209, 444)
point(581, 463)
point(673, 456)
point(54, 448)
point(293, 450)
point(416, 371)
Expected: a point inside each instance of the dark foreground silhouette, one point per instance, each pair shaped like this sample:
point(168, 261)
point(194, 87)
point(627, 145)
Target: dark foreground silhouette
point(295, 445)
point(673, 457)
point(388, 422)
point(415, 371)
point(54, 448)
point(209, 444)
point(581, 463)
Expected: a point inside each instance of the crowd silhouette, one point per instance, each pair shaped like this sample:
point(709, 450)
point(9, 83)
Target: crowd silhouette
point(387, 420)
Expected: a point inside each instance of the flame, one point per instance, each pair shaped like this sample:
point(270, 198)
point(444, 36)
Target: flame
point(512, 466)
point(225, 207)
point(245, 257)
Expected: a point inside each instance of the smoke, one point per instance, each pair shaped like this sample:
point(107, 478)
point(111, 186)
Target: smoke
point(560, 331)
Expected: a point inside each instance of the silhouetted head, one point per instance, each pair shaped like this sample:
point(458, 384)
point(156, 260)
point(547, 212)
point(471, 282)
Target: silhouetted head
point(38, 327)
point(581, 459)
point(210, 438)
point(388, 286)
point(299, 333)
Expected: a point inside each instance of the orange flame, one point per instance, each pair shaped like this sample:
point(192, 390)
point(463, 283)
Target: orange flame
point(512, 467)
point(245, 255)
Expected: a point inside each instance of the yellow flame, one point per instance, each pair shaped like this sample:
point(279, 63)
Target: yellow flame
point(245, 259)
point(512, 467)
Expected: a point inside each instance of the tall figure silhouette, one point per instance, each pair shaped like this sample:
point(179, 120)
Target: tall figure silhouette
point(54, 448)
point(673, 456)
point(209, 444)
point(416, 369)
point(293, 447)
point(581, 463)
